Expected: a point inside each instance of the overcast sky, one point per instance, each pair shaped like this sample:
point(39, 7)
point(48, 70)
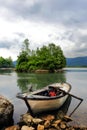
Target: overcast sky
point(63, 22)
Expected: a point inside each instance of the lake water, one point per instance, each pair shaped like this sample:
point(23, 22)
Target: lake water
point(11, 83)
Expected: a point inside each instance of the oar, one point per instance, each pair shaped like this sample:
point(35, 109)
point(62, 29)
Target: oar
point(75, 108)
point(74, 97)
point(70, 94)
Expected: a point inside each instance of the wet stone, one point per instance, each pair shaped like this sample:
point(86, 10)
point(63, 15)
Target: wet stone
point(28, 119)
point(67, 118)
point(48, 117)
point(57, 122)
point(40, 127)
point(27, 128)
point(15, 127)
point(47, 124)
point(6, 112)
point(62, 125)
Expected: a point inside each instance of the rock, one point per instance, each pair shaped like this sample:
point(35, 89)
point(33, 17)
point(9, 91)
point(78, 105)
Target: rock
point(48, 117)
point(60, 115)
point(54, 129)
point(27, 118)
point(67, 118)
point(57, 122)
point(55, 125)
point(47, 124)
point(15, 127)
point(37, 120)
point(6, 112)
point(62, 125)
point(27, 128)
point(40, 127)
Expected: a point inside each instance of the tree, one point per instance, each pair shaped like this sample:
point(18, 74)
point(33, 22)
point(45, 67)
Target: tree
point(1, 62)
point(9, 62)
point(23, 57)
point(47, 57)
point(6, 63)
point(50, 57)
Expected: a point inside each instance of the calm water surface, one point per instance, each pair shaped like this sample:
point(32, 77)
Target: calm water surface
point(11, 83)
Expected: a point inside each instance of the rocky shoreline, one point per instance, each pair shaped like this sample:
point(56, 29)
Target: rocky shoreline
point(39, 122)
point(47, 122)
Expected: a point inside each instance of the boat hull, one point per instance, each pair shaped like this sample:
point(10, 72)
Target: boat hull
point(45, 105)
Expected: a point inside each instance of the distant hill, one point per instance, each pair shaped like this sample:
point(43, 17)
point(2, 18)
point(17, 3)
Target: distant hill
point(78, 61)
point(14, 63)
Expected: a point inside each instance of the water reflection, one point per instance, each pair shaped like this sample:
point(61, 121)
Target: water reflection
point(25, 80)
point(75, 69)
point(6, 71)
point(23, 84)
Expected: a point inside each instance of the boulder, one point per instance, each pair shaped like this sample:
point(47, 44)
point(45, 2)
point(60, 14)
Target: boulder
point(27, 128)
point(6, 112)
point(48, 117)
point(40, 127)
point(15, 127)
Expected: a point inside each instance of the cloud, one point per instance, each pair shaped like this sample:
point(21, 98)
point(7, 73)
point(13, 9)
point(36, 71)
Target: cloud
point(4, 44)
point(63, 22)
point(67, 12)
point(8, 53)
point(75, 43)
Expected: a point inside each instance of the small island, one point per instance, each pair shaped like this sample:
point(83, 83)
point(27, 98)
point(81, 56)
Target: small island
point(47, 58)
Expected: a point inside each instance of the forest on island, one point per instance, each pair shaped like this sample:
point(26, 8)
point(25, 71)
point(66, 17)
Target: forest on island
point(48, 57)
point(6, 62)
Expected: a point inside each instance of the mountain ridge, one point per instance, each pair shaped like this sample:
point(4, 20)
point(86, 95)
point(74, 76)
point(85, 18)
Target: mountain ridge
point(77, 61)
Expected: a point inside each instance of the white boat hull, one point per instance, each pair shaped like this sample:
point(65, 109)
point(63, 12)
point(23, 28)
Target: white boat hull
point(44, 105)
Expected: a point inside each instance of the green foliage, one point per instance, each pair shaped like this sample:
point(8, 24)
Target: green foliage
point(47, 57)
point(6, 63)
point(50, 57)
point(22, 62)
point(23, 57)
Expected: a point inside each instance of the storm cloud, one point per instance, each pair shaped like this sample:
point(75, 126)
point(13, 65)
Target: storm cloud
point(63, 22)
point(67, 12)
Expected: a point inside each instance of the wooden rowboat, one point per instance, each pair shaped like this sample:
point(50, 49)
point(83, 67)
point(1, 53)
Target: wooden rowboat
point(40, 101)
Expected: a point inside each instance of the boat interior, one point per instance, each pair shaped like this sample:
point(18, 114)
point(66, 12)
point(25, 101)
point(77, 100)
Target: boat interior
point(47, 92)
